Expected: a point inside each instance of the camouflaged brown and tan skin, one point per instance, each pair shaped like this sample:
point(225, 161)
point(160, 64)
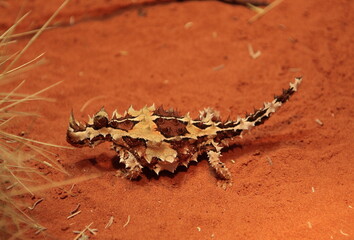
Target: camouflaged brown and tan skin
point(163, 140)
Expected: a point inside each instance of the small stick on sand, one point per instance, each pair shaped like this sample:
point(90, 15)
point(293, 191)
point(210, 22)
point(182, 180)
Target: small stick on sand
point(40, 229)
point(309, 224)
point(253, 54)
point(12, 185)
point(255, 8)
point(343, 233)
point(35, 204)
point(92, 230)
point(217, 68)
point(123, 53)
point(75, 210)
point(264, 11)
point(188, 25)
point(269, 160)
point(126, 224)
point(80, 233)
point(110, 222)
point(70, 191)
point(319, 122)
point(73, 215)
point(47, 163)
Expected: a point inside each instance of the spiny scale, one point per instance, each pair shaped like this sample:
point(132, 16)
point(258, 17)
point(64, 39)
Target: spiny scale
point(163, 140)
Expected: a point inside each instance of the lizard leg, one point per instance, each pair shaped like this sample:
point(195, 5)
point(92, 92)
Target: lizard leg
point(133, 168)
point(221, 170)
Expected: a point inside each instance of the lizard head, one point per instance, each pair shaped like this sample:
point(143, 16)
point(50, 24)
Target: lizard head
point(89, 134)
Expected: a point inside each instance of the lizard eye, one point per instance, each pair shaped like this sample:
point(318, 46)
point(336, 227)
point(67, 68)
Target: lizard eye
point(100, 122)
point(100, 119)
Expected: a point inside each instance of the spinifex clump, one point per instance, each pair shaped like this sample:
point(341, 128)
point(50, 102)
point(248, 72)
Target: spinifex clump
point(16, 177)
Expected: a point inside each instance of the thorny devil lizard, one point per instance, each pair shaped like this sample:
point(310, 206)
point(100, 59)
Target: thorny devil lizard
point(163, 140)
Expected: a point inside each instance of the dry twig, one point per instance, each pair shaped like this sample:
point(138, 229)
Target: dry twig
point(319, 122)
point(73, 214)
point(35, 204)
point(261, 12)
point(87, 228)
point(128, 220)
point(252, 53)
point(269, 160)
point(110, 222)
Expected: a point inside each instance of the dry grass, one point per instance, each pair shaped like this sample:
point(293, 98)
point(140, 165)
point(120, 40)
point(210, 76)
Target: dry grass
point(16, 150)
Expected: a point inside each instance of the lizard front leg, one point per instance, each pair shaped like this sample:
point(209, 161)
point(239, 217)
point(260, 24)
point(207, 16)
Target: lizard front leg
point(133, 168)
point(220, 168)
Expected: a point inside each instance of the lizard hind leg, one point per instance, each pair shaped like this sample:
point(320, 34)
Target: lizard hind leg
point(220, 168)
point(133, 168)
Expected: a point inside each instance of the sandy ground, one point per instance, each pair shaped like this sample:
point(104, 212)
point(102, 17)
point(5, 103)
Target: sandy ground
point(293, 178)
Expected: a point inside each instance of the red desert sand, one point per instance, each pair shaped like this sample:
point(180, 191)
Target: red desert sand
point(292, 176)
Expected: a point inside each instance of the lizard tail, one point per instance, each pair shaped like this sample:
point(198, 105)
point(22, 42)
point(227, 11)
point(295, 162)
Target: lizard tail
point(261, 115)
point(258, 117)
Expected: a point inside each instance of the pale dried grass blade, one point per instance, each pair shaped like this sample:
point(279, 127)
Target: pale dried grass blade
point(7, 58)
point(24, 65)
point(30, 42)
point(21, 139)
point(29, 96)
point(43, 152)
point(12, 92)
point(12, 157)
point(6, 121)
point(7, 43)
point(13, 114)
point(9, 77)
point(18, 35)
point(18, 180)
point(14, 26)
point(54, 184)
